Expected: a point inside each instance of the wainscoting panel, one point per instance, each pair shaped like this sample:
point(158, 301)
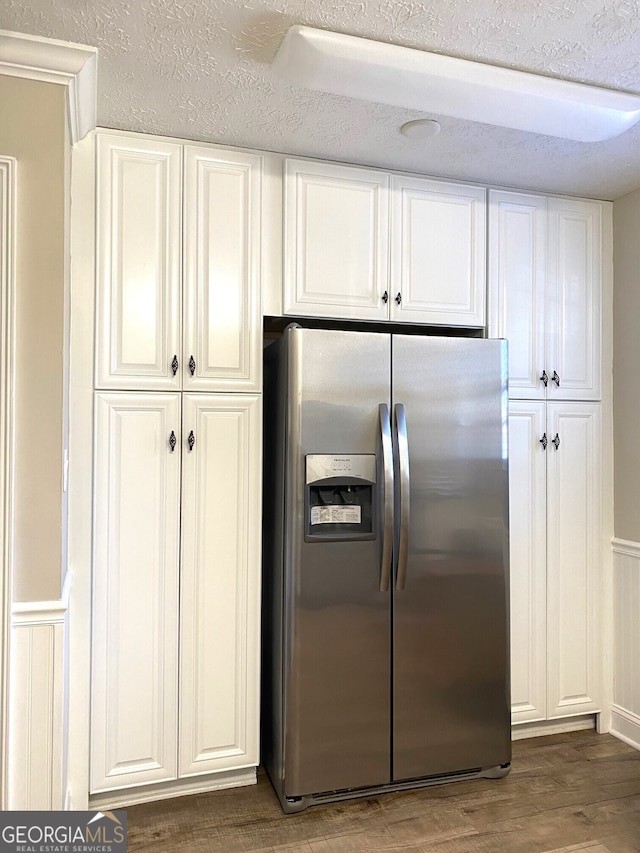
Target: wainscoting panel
point(626, 641)
point(37, 704)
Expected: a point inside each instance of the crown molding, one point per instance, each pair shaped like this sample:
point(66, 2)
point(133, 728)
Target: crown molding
point(73, 66)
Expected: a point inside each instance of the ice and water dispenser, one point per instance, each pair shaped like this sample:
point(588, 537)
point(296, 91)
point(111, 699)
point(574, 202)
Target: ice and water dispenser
point(340, 496)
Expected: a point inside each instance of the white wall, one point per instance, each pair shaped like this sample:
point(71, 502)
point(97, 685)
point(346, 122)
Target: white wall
point(33, 131)
point(626, 417)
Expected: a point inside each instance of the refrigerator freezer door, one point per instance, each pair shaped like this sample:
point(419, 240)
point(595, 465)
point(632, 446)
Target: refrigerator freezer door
point(450, 661)
point(337, 621)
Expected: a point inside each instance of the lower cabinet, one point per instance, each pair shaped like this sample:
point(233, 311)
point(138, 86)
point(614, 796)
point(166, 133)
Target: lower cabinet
point(175, 660)
point(555, 533)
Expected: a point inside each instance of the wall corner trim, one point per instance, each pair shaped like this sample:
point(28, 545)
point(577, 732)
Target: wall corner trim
point(74, 66)
point(8, 215)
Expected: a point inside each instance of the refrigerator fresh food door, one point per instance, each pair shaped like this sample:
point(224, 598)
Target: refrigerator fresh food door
point(450, 647)
point(337, 559)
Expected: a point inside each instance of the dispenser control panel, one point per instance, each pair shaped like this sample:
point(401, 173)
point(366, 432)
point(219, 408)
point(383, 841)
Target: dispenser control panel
point(340, 496)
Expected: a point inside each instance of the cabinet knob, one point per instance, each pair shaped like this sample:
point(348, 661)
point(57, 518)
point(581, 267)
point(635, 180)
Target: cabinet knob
point(191, 440)
point(555, 378)
point(543, 441)
point(192, 365)
point(385, 297)
point(544, 378)
point(175, 365)
point(172, 441)
point(556, 441)
point(398, 298)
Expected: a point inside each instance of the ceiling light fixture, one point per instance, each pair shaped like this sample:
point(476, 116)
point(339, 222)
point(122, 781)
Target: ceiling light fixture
point(405, 77)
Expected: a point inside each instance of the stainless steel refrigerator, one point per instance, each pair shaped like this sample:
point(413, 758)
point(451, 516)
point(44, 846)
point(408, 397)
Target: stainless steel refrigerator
point(385, 645)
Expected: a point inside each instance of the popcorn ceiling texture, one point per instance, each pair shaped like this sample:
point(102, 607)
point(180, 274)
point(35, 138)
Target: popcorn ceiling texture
point(200, 70)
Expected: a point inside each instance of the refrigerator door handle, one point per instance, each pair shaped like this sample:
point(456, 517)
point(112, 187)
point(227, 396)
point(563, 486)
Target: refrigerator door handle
point(402, 444)
point(387, 464)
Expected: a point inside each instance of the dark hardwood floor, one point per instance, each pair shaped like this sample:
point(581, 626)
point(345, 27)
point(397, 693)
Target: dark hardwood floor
point(577, 791)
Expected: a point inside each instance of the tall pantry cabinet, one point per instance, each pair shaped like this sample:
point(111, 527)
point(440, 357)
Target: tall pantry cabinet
point(175, 669)
point(545, 297)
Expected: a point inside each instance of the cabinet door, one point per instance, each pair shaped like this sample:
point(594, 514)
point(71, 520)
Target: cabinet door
point(574, 297)
point(138, 263)
point(220, 584)
point(135, 590)
point(335, 241)
point(527, 537)
point(437, 252)
point(517, 278)
point(573, 557)
point(222, 321)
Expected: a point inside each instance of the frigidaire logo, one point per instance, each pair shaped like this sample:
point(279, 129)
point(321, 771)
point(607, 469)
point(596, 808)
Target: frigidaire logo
point(63, 832)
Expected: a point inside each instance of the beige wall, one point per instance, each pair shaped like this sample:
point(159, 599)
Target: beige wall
point(626, 365)
point(33, 130)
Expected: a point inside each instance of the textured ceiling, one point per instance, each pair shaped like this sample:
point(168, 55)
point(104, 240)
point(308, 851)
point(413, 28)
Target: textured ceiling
point(200, 69)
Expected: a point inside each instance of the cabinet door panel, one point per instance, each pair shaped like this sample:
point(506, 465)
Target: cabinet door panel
point(517, 278)
point(438, 252)
point(220, 584)
point(573, 557)
point(135, 611)
point(138, 263)
point(336, 241)
point(222, 329)
point(527, 536)
point(574, 299)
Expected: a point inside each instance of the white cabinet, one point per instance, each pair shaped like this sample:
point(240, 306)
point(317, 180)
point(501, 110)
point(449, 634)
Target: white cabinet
point(545, 293)
point(149, 724)
point(363, 245)
point(134, 721)
point(220, 584)
point(222, 348)
point(177, 479)
point(574, 535)
point(555, 535)
point(437, 252)
point(154, 330)
point(336, 237)
point(517, 282)
point(528, 560)
point(545, 297)
point(138, 305)
point(574, 298)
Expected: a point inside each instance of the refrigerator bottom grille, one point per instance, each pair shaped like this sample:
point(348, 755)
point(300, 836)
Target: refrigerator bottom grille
point(292, 805)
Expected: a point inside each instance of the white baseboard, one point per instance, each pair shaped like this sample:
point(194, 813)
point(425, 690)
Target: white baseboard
point(552, 727)
point(168, 790)
point(625, 725)
point(37, 699)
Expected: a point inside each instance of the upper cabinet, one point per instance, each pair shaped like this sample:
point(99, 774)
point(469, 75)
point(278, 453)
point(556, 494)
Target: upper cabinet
point(336, 236)
point(574, 299)
point(362, 245)
point(545, 293)
point(437, 252)
point(138, 305)
point(162, 325)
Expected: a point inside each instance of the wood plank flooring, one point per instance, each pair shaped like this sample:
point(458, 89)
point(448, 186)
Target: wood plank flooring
point(570, 792)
